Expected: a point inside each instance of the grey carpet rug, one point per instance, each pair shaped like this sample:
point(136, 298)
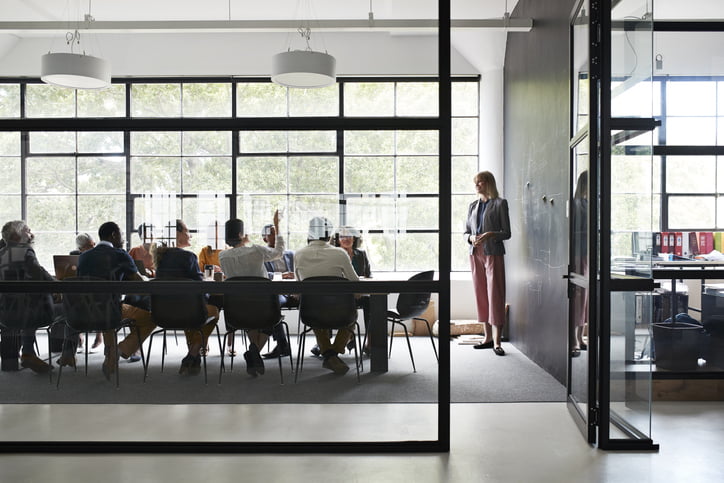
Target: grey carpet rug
point(476, 376)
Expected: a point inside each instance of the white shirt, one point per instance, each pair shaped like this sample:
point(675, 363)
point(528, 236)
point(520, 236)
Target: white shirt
point(320, 259)
point(249, 261)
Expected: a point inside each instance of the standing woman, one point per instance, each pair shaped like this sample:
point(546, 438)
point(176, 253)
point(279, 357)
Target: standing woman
point(487, 226)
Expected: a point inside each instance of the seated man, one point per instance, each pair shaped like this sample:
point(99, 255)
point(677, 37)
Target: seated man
point(179, 263)
point(109, 261)
point(285, 266)
point(319, 259)
point(247, 260)
point(83, 243)
point(18, 262)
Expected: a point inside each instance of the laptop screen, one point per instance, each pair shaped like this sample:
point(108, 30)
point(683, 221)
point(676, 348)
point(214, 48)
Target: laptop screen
point(65, 266)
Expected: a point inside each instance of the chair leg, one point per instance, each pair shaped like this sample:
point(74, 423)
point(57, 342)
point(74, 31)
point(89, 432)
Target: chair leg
point(300, 359)
point(116, 360)
point(357, 358)
point(204, 341)
point(146, 363)
point(222, 366)
point(432, 340)
point(165, 349)
point(409, 347)
point(285, 326)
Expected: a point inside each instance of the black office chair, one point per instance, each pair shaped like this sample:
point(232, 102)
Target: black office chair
point(178, 311)
point(409, 307)
point(92, 312)
point(20, 312)
point(327, 311)
point(252, 312)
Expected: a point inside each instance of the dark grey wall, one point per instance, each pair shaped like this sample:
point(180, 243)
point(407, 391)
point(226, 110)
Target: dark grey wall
point(536, 166)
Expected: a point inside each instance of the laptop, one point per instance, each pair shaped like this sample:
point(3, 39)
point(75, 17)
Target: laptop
point(65, 266)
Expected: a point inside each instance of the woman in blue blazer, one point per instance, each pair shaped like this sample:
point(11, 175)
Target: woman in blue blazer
point(486, 227)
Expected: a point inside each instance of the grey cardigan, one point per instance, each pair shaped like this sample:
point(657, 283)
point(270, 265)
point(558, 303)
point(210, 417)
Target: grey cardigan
point(495, 219)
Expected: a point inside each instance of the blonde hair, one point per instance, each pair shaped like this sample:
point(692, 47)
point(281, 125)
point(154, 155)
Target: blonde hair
point(491, 189)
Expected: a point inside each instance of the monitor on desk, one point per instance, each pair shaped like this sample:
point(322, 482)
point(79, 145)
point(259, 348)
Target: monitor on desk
point(642, 244)
point(65, 266)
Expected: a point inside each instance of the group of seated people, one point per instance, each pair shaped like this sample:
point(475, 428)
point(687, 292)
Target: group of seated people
point(107, 260)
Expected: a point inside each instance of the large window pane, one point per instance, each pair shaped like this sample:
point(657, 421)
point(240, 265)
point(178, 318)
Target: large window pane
point(50, 175)
point(52, 142)
point(313, 175)
point(417, 251)
point(206, 143)
point(263, 142)
point(206, 173)
point(369, 175)
point(149, 175)
point(94, 210)
point(695, 174)
point(314, 102)
point(102, 175)
point(110, 102)
point(464, 98)
point(50, 213)
point(417, 213)
point(304, 208)
point(690, 98)
point(45, 100)
point(9, 100)
point(312, 141)
point(258, 210)
point(463, 170)
point(10, 207)
point(156, 100)
point(417, 99)
point(369, 142)
point(691, 212)
point(418, 174)
point(371, 213)
point(691, 131)
point(380, 251)
point(9, 144)
point(260, 100)
point(370, 99)
point(417, 142)
point(151, 142)
point(465, 136)
point(261, 175)
point(10, 181)
point(100, 142)
point(207, 100)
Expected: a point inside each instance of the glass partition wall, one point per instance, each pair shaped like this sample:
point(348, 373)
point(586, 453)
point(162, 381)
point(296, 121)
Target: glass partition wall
point(369, 153)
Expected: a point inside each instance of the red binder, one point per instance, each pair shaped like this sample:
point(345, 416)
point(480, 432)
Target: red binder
point(678, 243)
point(706, 242)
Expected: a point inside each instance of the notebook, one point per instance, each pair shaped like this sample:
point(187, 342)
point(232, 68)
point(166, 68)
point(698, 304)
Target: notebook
point(65, 266)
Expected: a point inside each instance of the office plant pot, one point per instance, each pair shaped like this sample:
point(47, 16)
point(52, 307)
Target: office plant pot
point(677, 345)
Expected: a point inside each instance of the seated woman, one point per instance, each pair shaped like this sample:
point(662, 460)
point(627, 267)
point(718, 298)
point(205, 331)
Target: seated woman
point(245, 259)
point(176, 262)
point(349, 239)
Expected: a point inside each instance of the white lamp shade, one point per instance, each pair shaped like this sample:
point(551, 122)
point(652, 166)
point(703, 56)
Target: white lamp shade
point(75, 71)
point(303, 68)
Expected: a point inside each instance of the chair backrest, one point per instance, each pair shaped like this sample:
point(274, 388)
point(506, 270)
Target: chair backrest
point(25, 310)
point(182, 310)
point(413, 304)
point(86, 312)
point(328, 310)
point(251, 311)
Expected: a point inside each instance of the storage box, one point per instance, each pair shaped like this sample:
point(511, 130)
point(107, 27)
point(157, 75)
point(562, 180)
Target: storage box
point(461, 327)
point(677, 346)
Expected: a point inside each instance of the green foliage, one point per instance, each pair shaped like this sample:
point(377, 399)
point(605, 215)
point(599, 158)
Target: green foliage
point(314, 174)
point(417, 99)
point(9, 144)
point(52, 142)
point(9, 100)
point(110, 102)
point(155, 143)
point(368, 99)
point(463, 170)
point(261, 100)
point(206, 100)
point(156, 100)
point(206, 143)
point(10, 175)
point(101, 175)
point(262, 175)
point(418, 174)
point(203, 173)
point(464, 97)
point(417, 142)
point(369, 142)
point(50, 175)
point(10, 208)
point(45, 100)
point(465, 136)
point(314, 102)
point(100, 142)
point(150, 175)
point(373, 174)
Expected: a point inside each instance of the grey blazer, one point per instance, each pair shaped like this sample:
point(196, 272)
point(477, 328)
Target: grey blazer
point(495, 219)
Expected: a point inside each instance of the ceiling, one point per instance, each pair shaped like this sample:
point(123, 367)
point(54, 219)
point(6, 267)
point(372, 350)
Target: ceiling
point(237, 37)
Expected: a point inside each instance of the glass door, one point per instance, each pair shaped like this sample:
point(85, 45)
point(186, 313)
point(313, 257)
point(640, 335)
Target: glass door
point(581, 332)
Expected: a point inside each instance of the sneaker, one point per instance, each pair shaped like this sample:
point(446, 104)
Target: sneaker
point(315, 350)
point(336, 365)
point(35, 364)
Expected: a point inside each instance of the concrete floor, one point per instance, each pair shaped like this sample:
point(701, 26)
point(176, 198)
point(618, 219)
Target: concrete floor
point(510, 442)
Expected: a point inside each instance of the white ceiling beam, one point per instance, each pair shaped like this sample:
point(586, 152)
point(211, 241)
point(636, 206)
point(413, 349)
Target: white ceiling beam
point(509, 24)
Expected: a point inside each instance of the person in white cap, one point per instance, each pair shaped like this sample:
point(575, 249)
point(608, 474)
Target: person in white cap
point(319, 259)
